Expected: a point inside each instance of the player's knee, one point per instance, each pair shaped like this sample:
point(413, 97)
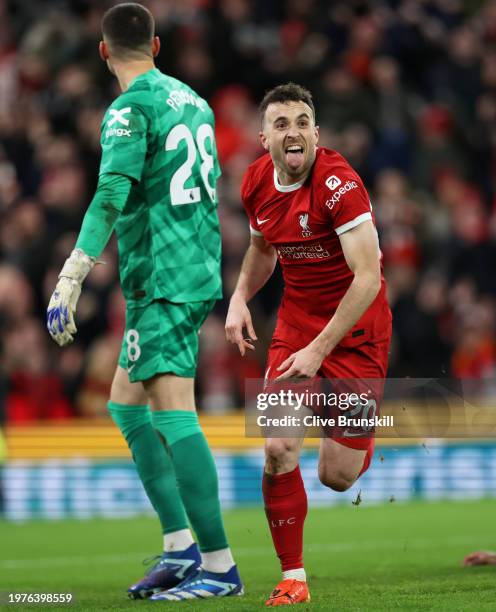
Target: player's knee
point(336, 479)
point(280, 455)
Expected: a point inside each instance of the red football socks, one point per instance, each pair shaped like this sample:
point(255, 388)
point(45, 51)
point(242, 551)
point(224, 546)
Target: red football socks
point(286, 509)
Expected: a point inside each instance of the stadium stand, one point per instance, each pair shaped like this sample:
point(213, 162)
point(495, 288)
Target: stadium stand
point(405, 90)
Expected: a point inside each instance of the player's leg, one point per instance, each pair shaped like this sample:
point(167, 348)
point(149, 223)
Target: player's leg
point(340, 466)
point(129, 410)
point(343, 460)
point(284, 494)
point(286, 506)
point(174, 416)
point(168, 348)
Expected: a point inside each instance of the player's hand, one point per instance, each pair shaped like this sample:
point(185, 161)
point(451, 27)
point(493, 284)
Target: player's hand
point(61, 309)
point(302, 364)
point(480, 558)
point(62, 306)
point(239, 318)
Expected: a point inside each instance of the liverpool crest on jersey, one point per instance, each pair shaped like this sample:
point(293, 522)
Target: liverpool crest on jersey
point(305, 228)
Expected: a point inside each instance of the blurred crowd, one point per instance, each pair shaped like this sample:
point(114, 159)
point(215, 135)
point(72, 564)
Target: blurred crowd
point(404, 89)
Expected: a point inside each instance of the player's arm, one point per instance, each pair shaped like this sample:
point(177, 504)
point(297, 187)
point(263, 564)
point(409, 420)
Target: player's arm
point(99, 221)
point(361, 249)
point(98, 224)
point(257, 267)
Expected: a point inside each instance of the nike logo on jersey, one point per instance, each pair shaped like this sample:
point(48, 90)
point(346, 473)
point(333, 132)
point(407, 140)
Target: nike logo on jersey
point(352, 434)
point(131, 368)
point(261, 222)
point(333, 182)
point(118, 115)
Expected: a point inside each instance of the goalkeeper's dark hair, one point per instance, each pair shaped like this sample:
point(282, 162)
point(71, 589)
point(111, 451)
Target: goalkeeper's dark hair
point(289, 92)
point(128, 28)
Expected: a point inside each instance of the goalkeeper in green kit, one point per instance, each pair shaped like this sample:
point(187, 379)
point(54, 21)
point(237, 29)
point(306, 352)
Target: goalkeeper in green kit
point(156, 188)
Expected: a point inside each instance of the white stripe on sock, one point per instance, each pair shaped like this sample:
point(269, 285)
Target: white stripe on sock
point(295, 574)
point(218, 561)
point(178, 540)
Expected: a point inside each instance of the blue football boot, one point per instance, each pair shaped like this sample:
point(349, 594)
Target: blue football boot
point(171, 569)
point(204, 585)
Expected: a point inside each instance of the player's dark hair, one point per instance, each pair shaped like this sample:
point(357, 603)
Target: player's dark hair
point(289, 92)
point(129, 29)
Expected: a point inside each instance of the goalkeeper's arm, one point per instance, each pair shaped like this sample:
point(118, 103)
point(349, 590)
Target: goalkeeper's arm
point(98, 224)
point(100, 218)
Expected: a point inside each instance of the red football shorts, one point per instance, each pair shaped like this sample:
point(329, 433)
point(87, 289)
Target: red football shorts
point(366, 360)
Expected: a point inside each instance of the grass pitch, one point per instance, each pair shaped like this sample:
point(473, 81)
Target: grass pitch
point(388, 557)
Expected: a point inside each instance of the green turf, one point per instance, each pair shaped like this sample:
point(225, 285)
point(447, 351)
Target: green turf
point(388, 557)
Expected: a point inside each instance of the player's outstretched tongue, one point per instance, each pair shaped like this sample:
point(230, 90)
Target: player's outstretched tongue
point(294, 156)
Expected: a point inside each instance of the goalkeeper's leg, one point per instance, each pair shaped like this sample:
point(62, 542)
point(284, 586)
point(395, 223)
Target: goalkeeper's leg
point(174, 416)
point(160, 350)
point(129, 410)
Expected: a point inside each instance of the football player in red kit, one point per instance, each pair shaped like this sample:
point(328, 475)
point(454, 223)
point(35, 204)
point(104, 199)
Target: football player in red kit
point(309, 209)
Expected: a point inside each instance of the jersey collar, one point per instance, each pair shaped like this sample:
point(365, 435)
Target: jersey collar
point(143, 74)
point(286, 188)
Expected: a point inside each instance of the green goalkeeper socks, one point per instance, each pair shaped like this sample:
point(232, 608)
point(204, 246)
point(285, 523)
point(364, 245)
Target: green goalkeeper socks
point(179, 479)
point(196, 475)
point(153, 464)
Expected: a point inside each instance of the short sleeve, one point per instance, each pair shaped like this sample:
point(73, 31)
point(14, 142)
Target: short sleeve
point(245, 198)
point(347, 202)
point(124, 140)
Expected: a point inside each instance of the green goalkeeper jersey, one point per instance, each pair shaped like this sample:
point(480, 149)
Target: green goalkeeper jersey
point(160, 133)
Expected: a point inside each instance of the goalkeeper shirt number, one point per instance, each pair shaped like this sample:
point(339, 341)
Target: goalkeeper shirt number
point(160, 133)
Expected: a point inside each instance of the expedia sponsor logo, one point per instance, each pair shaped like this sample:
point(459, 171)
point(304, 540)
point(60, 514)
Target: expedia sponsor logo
point(117, 132)
point(333, 182)
point(337, 195)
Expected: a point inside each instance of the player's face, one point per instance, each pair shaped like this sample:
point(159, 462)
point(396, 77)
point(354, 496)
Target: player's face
point(290, 135)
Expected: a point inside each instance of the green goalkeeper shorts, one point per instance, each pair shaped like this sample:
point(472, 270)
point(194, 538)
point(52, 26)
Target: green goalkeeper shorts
point(161, 338)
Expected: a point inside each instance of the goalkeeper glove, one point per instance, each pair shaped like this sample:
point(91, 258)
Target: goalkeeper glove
point(62, 306)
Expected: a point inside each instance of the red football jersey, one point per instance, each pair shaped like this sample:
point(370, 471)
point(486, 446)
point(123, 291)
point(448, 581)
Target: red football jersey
point(303, 221)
